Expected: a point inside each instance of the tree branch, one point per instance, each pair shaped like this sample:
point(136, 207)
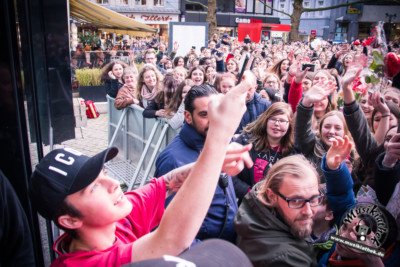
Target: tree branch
point(280, 11)
point(336, 6)
point(195, 2)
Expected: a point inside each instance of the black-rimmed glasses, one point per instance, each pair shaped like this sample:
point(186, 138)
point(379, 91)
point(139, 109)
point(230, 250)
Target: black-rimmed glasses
point(279, 121)
point(298, 203)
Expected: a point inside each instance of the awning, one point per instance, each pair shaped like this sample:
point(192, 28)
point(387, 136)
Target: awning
point(102, 17)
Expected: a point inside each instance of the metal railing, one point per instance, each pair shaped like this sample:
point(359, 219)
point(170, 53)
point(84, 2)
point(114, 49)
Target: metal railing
point(139, 141)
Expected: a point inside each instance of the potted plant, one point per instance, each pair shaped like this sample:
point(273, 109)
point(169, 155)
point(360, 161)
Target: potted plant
point(90, 85)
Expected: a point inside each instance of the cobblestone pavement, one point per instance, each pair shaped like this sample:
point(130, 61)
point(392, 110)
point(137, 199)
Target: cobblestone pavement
point(91, 139)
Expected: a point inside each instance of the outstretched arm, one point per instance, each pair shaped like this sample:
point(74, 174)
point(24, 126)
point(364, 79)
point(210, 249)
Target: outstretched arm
point(339, 183)
point(185, 214)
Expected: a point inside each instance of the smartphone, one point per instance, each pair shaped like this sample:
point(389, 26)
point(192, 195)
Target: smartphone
point(193, 47)
point(310, 66)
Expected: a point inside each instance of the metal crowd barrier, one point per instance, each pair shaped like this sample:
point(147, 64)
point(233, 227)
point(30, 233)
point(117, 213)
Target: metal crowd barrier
point(139, 141)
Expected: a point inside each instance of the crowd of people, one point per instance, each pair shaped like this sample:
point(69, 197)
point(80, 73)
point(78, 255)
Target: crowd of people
point(281, 148)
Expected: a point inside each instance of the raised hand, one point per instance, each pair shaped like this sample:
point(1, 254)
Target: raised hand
point(111, 75)
point(351, 74)
point(378, 103)
point(176, 46)
point(300, 74)
point(339, 151)
point(315, 94)
point(236, 158)
point(226, 111)
point(392, 154)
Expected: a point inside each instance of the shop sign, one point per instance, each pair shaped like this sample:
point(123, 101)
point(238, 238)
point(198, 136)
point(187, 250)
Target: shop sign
point(242, 20)
point(313, 32)
point(153, 18)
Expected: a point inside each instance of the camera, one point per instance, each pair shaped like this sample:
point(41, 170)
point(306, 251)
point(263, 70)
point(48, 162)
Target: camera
point(310, 66)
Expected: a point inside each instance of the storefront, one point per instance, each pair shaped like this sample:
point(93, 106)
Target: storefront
point(157, 21)
point(229, 22)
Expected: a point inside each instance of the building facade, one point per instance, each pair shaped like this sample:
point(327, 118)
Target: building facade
point(156, 13)
point(311, 22)
point(344, 24)
point(232, 13)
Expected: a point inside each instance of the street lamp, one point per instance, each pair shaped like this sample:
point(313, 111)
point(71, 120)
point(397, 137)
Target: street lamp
point(390, 17)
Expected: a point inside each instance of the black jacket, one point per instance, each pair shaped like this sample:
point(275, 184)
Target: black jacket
point(16, 247)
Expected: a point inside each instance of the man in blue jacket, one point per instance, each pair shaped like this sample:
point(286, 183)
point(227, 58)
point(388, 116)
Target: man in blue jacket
point(255, 105)
point(185, 148)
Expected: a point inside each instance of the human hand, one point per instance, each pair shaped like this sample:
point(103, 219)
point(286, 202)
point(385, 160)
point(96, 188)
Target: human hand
point(301, 74)
point(378, 103)
point(111, 75)
point(392, 154)
point(315, 94)
point(264, 94)
point(237, 156)
point(161, 113)
point(351, 74)
point(339, 151)
point(176, 46)
point(343, 50)
point(226, 111)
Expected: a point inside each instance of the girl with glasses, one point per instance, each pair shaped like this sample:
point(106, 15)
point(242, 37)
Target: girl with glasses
point(272, 138)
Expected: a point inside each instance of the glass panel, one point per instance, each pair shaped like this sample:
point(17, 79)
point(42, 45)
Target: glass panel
point(250, 6)
point(260, 6)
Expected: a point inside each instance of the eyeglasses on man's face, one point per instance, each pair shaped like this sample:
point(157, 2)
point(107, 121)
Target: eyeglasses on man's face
point(298, 203)
point(279, 121)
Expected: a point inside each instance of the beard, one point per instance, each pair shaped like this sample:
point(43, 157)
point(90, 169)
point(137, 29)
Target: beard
point(298, 230)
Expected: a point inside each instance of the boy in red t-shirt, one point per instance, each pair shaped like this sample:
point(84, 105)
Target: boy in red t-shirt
point(105, 227)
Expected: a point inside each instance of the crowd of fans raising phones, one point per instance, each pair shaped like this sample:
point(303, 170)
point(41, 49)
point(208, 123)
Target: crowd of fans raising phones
point(320, 134)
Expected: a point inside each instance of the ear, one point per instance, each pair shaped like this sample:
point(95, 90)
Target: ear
point(69, 222)
point(188, 117)
point(272, 197)
point(328, 215)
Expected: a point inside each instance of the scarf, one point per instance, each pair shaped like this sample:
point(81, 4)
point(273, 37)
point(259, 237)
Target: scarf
point(148, 95)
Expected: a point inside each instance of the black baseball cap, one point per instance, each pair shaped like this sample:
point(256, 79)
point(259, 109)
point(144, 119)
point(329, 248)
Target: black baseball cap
point(63, 172)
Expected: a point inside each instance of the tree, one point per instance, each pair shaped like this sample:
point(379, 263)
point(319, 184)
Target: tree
point(298, 10)
point(212, 18)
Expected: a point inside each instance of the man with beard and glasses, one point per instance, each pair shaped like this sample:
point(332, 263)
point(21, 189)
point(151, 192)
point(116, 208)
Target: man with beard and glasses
point(276, 216)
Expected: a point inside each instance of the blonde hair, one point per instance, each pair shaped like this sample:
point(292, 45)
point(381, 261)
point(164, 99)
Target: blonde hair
point(296, 166)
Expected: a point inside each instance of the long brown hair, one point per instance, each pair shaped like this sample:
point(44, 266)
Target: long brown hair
point(257, 130)
point(140, 80)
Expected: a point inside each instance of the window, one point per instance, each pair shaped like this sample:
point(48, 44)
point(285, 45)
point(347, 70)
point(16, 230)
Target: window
point(159, 2)
point(320, 3)
point(260, 6)
point(282, 6)
point(140, 2)
point(306, 4)
point(102, 2)
point(124, 2)
point(250, 6)
point(254, 6)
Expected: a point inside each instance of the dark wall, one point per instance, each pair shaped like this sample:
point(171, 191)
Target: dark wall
point(35, 88)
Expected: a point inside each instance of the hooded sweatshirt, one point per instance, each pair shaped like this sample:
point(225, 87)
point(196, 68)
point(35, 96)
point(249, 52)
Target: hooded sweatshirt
point(266, 239)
